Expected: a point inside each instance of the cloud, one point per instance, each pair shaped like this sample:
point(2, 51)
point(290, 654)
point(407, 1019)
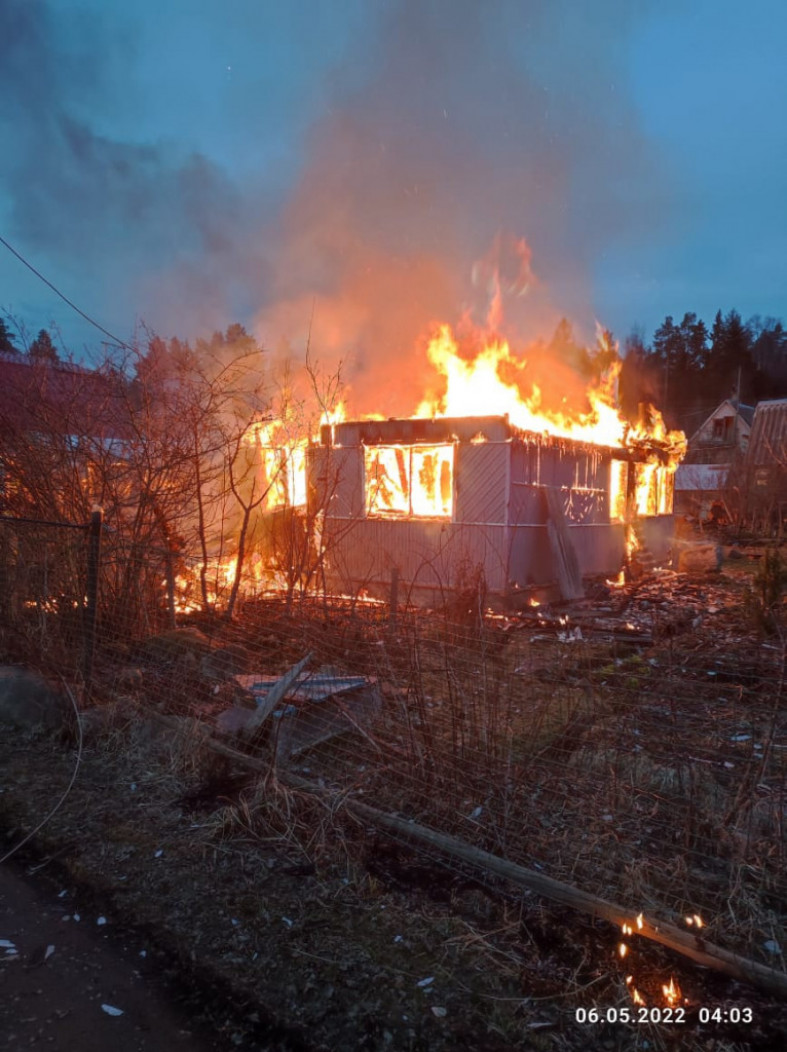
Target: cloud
point(141, 224)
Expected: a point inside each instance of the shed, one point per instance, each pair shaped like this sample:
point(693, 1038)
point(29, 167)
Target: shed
point(431, 502)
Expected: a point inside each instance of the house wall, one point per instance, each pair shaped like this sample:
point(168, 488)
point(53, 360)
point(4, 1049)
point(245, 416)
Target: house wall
point(482, 483)
point(500, 520)
point(431, 555)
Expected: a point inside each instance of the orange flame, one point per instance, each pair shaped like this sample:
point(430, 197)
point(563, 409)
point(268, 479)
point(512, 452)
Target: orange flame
point(671, 992)
point(492, 383)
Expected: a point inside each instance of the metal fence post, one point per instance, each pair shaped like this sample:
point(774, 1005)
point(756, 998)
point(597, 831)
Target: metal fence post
point(393, 604)
point(91, 589)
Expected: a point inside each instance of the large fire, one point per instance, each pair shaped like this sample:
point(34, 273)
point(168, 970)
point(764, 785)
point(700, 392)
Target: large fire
point(486, 379)
point(494, 382)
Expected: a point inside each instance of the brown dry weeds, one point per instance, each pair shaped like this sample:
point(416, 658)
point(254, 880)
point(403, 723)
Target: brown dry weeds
point(630, 770)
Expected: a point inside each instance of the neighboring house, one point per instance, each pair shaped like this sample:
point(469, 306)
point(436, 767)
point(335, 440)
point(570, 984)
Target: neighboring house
point(39, 397)
point(44, 405)
point(64, 431)
point(719, 444)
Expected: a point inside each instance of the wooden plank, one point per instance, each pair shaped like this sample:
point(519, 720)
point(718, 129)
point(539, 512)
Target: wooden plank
point(564, 554)
point(274, 696)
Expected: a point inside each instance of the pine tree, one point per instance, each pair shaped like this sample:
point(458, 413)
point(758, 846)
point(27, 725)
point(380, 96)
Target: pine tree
point(42, 349)
point(6, 340)
point(730, 364)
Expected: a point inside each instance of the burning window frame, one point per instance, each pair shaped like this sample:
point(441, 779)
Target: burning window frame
point(406, 500)
point(284, 471)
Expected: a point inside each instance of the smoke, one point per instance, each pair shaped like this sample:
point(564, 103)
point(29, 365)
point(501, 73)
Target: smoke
point(148, 228)
point(462, 150)
point(489, 150)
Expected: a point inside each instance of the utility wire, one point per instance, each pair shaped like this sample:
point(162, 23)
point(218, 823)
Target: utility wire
point(13, 251)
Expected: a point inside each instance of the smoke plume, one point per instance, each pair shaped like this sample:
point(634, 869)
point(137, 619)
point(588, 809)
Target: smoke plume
point(488, 150)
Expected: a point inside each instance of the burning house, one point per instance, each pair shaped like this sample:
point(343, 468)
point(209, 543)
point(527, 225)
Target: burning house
point(429, 503)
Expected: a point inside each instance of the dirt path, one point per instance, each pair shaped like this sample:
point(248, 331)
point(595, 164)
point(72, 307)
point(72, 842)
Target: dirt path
point(60, 975)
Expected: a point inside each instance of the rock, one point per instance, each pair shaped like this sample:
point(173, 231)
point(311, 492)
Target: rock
point(179, 644)
point(29, 701)
point(233, 721)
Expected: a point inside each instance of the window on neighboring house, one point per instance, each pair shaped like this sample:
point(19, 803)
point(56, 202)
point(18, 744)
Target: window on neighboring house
point(409, 481)
point(722, 428)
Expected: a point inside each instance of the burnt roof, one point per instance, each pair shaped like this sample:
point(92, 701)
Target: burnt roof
point(409, 431)
point(415, 430)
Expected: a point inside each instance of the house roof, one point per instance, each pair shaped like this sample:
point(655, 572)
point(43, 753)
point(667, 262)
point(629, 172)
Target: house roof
point(701, 477)
point(745, 412)
point(61, 398)
point(768, 440)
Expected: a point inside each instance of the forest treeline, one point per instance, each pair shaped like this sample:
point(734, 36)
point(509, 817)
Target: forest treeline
point(687, 369)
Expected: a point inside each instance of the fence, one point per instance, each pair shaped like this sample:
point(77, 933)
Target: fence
point(633, 746)
point(48, 588)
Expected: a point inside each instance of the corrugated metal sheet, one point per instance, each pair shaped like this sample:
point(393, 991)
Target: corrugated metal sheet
point(481, 479)
point(527, 507)
point(768, 440)
point(427, 554)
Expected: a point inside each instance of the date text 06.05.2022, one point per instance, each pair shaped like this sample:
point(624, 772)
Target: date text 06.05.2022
point(654, 1014)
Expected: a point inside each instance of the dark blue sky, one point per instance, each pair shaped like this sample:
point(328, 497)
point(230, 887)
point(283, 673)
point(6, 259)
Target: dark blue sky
point(344, 163)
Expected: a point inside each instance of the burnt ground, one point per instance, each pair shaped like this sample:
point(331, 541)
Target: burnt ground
point(269, 924)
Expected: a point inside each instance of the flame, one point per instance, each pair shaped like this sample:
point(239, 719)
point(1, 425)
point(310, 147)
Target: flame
point(671, 992)
point(488, 378)
point(281, 462)
point(481, 386)
point(636, 996)
point(409, 480)
point(494, 381)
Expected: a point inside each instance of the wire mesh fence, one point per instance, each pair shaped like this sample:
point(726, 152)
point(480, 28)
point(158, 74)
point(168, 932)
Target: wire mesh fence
point(632, 745)
point(43, 576)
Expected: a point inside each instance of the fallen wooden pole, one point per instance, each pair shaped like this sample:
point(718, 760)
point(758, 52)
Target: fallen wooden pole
point(687, 943)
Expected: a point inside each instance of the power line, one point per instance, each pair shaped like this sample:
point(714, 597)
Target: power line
point(13, 251)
